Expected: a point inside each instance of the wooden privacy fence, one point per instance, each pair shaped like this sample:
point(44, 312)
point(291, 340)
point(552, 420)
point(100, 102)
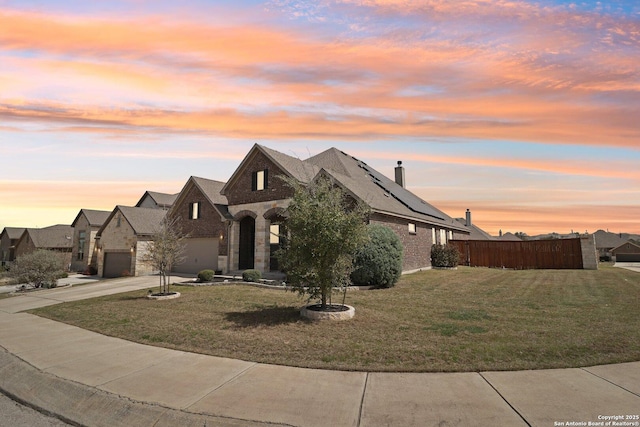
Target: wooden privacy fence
point(524, 255)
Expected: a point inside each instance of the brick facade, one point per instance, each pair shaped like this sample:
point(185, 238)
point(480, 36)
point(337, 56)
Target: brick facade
point(80, 263)
point(417, 247)
point(240, 191)
point(209, 223)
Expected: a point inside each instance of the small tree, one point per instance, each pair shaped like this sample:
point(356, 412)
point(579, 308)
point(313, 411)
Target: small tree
point(379, 262)
point(165, 250)
point(326, 229)
point(40, 268)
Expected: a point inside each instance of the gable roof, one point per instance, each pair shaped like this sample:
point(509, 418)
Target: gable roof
point(475, 232)
point(95, 218)
point(510, 237)
point(382, 194)
point(604, 239)
point(13, 232)
point(211, 189)
point(292, 166)
point(143, 221)
point(160, 199)
point(628, 242)
point(54, 237)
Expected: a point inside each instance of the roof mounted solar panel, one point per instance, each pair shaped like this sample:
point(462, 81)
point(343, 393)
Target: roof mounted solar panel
point(402, 195)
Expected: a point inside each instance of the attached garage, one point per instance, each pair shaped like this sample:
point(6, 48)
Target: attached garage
point(200, 254)
point(627, 252)
point(628, 258)
point(117, 264)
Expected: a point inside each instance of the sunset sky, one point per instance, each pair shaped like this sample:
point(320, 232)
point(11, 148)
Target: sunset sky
point(526, 113)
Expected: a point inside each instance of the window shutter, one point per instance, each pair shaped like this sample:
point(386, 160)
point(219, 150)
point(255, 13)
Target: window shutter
point(266, 178)
point(198, 210)
point(254, 181)
point(190, 210)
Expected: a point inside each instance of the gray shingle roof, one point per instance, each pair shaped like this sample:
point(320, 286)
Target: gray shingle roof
point(605, 240)
point(161, 199)
point(13, 232)
point(301, 170)
point(382, 194)
point(95, 218)
point(144, 221)
point(53, 237)
point(476, 233)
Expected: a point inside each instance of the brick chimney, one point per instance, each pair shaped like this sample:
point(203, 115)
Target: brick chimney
point(468, 218)
point(400, 174)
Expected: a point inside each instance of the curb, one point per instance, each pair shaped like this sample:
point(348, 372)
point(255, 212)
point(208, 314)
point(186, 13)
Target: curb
point(81, 405)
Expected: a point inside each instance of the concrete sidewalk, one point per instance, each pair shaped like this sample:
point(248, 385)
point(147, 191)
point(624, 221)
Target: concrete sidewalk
point(92, 379)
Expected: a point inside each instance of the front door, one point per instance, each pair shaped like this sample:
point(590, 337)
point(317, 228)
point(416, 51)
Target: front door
point(247, 243)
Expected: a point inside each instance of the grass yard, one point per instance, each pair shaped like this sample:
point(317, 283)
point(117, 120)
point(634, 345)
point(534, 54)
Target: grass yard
point(470, 319)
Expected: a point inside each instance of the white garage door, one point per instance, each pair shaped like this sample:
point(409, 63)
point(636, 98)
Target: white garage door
point(200, 254)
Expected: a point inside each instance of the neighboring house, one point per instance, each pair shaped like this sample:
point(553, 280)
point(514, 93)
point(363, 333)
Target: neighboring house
point(155, 200)
point(626, 252)
point(605, 242)
point(257, 202)
point(475, 232)
point(510, 237)
point(201, 212)
point(122, 241)
point(56, 238)
point(85, 229)
point(8, 239)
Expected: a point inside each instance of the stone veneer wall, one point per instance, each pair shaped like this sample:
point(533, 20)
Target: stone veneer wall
point(262, 249)
point(417, 247)
point(589, 252)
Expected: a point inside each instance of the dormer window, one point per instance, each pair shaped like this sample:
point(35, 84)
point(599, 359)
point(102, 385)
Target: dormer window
point(259, 180)
point(194, 210)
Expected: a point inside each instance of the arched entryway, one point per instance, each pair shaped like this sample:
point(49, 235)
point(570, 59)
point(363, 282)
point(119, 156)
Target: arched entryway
point(247, 244)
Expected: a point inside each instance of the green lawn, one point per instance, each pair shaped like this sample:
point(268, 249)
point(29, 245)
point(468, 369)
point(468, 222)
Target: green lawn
point(470, 319)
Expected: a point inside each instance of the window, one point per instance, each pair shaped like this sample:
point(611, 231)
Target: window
point(259, 180)
point(81, 243)
point(412, 228)
point(274, 234)
point(118, 221)
point(194, 210)
point(433, 236)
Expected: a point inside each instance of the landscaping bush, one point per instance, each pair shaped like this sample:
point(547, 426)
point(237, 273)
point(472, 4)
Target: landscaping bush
point(39, 268)
point(206, 275)
point(379, 262)
point(444, 256)
point(251, 276)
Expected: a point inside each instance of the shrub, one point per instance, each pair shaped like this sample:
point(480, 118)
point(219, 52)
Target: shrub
point(379, 262)
point(444, 256)
point(206, 275)
point(251, 276)
point(40, 268)
point(90, 271)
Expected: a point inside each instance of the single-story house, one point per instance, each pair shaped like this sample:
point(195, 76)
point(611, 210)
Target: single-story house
point(626, 252)
point(121, 242)
point(85, 228)
point(56, 238)
point(605, 242)
point(8, 239)
point(257, 201)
